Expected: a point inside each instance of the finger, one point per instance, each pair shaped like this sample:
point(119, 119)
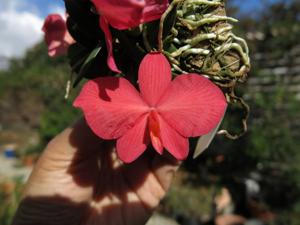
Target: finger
point(150, 177)
point(164, 168)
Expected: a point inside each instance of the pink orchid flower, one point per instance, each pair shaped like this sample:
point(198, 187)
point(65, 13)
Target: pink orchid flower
point(124, 14)
point(165, 112)
point(57, 36)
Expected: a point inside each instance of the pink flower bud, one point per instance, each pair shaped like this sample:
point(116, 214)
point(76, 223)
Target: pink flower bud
point(57, 36)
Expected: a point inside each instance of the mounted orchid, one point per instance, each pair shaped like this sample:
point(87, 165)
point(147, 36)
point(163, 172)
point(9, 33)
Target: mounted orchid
point(171, 43)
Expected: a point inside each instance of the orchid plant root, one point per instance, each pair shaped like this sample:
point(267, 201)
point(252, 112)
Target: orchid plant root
point(201, 41)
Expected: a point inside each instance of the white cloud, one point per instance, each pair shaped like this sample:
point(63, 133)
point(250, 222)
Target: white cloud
point(19, 28)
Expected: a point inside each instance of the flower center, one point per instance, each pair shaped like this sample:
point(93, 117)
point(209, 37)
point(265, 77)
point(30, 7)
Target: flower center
point(154, 129)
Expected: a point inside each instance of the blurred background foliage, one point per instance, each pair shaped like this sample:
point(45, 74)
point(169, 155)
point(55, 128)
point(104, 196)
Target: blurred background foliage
point(33, 89)
point(259, 173)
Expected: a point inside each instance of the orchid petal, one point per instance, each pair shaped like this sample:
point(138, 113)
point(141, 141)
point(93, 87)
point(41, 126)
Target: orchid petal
point(192, 105)
point(134, 142)
point(124, 14)
point(56, 48)
point(109, 45)
point(174, 143)
point(153, 10)
point(154, 77)
point(111, 106)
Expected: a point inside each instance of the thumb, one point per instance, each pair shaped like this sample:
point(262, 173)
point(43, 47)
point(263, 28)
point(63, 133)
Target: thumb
point(69, 153)
point(164, 167)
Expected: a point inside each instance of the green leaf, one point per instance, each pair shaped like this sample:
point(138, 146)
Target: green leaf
point(77, 55)
point(86, 65)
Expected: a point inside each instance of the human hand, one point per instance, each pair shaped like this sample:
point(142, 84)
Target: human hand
point(79, 180)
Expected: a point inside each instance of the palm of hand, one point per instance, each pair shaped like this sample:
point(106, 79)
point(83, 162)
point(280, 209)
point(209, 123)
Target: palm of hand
point(79, 180)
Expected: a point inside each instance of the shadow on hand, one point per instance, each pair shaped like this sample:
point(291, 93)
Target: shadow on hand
point(58, 210)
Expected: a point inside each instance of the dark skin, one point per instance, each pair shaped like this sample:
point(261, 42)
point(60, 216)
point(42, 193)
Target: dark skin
point(79, 180)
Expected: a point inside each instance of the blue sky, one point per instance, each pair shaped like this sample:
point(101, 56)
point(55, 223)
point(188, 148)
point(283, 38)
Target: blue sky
point(251, 6)
point(246, 5)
